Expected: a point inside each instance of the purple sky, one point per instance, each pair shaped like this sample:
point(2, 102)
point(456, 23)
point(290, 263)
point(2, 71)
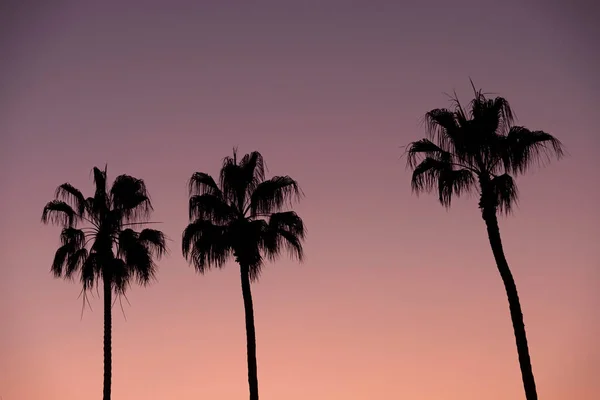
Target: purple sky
point(398, 298)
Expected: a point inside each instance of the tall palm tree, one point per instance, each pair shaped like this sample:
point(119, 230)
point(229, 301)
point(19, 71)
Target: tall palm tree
point(477, 151)
point(243, 216)
point(100, 246)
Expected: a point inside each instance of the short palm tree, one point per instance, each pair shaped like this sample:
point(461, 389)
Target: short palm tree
point(242, 216)
point(100, 246)
point(477, 152)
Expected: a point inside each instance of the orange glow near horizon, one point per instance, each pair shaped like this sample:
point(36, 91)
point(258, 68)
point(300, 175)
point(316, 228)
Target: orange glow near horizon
point(398, 298)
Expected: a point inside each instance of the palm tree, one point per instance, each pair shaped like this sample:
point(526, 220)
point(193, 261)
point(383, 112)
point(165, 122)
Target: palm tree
point(477, 152)
point(105, 249)
point(243, 216)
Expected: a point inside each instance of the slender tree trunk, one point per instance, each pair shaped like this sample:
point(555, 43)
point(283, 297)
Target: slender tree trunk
point(516, 314)
point(107, 338)
point(250, 334)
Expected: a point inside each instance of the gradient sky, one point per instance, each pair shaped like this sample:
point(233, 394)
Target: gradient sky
point(398, 298)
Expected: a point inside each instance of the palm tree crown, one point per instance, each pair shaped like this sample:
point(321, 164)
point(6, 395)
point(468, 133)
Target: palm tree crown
point(105, 247)
point(479, 147)
point(241, 216)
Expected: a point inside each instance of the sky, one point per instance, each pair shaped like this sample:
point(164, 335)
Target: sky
point(398, 298)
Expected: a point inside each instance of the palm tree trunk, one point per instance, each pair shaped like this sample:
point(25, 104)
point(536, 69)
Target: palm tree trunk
point(516, 314)
point(107, 338)
point(250, 334)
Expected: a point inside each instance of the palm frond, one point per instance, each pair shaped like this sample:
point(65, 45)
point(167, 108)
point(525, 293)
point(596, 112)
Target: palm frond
point(426, 173)
point(524, 149)
point(70, 235)
point(121, 276)
point(442, 127)
point(60, 213)
point(454, 182)
point(271, 195)
point(210, 207)
point(504, 193)
point(75, 262)
point(432, 174)
point(100, 195)
point(69, 193)
point(253, 170)
point(285, 230)
point(254, 165)
point(422, 149)
point(232, 182)
point(91, 271)
point(154, 240)
point(137, 255)
point(61, 258)
point(91, 209)
point(288, 221)
point(129, 195)
point(202, 183)
point(459, 112)
point(206, 245)
point(491, 116)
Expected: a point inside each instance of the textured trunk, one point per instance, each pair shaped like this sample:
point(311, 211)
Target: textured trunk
point(107, 338)
point(516, 314)
point(250, 334)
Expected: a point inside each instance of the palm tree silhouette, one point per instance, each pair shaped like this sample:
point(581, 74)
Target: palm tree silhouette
point(106, 249)
point(477, 152)
point(243, 217)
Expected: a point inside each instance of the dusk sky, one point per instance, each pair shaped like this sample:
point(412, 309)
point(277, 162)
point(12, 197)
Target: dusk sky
point(398, 298)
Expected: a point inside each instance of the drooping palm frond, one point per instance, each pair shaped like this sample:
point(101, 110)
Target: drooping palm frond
point(454, 182)
point(70, 194)
point(201, 183)
point(426, 173)
point(71, 254)
point(425, 148)
point(138, 251)
point(285, 230)
point(443, 128)
point(271, 195)
point(207, 244)
point(60, 213)
point(129, 195)
point(155, 241)
point(90, 207)
point(288, 221)
point(74, 236)
point(91, 271)
point(121, 275)
point(503, 190)
point(437, 171)
point(211, 208)
point(522, 149)
point(75, 262)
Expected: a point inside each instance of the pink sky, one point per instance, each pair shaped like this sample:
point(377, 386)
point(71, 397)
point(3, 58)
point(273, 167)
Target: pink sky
point(398, 298)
